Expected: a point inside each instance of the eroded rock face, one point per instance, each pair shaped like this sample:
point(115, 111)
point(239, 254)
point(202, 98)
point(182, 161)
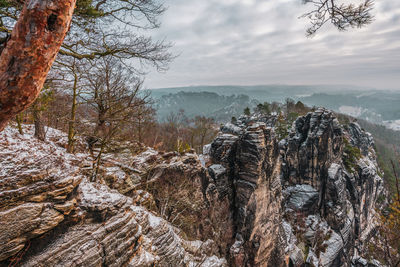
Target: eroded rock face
point(313, 144)
point(252, 168)
point(113, 232)
point(252, 200)
point(36, 182)
point(80, 223)
point(330, 218)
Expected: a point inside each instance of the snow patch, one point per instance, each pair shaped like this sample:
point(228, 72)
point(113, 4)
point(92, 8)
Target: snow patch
point(352, 111)
point(154, 221)
point(393, 125)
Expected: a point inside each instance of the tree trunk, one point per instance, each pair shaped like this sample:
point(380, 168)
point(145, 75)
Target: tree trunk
point(38, 122)
point(97, 162)
point(203, 136)
point(71, 123)
point(140, 130)
point(30, 52)
point(19, 119)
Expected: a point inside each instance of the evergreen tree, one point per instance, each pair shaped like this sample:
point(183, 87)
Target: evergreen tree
point(246, 111)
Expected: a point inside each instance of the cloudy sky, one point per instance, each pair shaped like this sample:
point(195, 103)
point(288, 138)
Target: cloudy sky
point(250, 42)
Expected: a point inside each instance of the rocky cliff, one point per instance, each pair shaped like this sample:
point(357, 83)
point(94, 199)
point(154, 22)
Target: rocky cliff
point(331, 185)
point(251, 200)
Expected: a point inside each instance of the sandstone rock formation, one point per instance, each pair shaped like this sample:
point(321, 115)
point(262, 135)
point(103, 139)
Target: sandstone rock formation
point(252, 170)
point(252, 200)
point(52, 216)
point(331, 230)
point(36, 181)
point(306, 200)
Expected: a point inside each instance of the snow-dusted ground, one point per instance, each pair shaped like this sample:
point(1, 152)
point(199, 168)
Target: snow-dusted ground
point(24, 156)
point(394, 125)
point(26, 153)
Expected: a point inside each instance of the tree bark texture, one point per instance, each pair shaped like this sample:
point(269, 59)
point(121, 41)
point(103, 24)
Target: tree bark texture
point(30, 52)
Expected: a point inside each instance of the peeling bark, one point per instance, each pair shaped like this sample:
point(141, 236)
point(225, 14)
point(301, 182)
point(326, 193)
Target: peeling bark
point(30, 52)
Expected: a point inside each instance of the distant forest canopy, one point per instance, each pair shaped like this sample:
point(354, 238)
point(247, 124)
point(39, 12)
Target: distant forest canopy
point(209, 104)
point(370, 104)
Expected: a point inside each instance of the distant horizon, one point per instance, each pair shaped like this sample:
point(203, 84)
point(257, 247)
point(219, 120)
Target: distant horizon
point(354, 87)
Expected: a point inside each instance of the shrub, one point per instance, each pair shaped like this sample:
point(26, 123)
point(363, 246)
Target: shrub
point(350, 156)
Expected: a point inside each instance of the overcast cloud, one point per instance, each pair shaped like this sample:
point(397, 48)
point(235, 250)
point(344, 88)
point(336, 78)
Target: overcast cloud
point(248, 42)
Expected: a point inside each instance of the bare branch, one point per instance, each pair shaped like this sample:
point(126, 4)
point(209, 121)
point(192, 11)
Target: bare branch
point(342, 16)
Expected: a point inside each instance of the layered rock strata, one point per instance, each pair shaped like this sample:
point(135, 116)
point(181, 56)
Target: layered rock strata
point(330, 190)
point(53, 216)
point(253, 200)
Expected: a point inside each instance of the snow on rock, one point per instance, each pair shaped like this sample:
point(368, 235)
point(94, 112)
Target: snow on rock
point(36, 184)
point(231, 129)
point(206, 149)
point(301, 196)
point(26, 153)
point(143, 158)
point(41, 185)
point(333, 246)
point(213, 261)
point(154, 221)
point(100, 197)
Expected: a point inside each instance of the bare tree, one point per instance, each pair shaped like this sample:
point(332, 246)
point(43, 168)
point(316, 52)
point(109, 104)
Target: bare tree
point(112, 91)
point(19, 119)
point(144, 115)
point(204, 131)
point(69, 73)
point(96, 31)
point(342, 16)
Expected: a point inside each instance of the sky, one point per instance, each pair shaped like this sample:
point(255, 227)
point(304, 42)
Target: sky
point(254, 42)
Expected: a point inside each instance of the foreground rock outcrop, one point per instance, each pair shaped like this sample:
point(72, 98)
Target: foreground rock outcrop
point(251, 200)
point(36, 182)
point(51, 215)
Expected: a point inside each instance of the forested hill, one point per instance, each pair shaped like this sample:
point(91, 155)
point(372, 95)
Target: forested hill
point(273, 92)
point(378, 106)
point(387, 146)
point(208, 104)
point(373, 106)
